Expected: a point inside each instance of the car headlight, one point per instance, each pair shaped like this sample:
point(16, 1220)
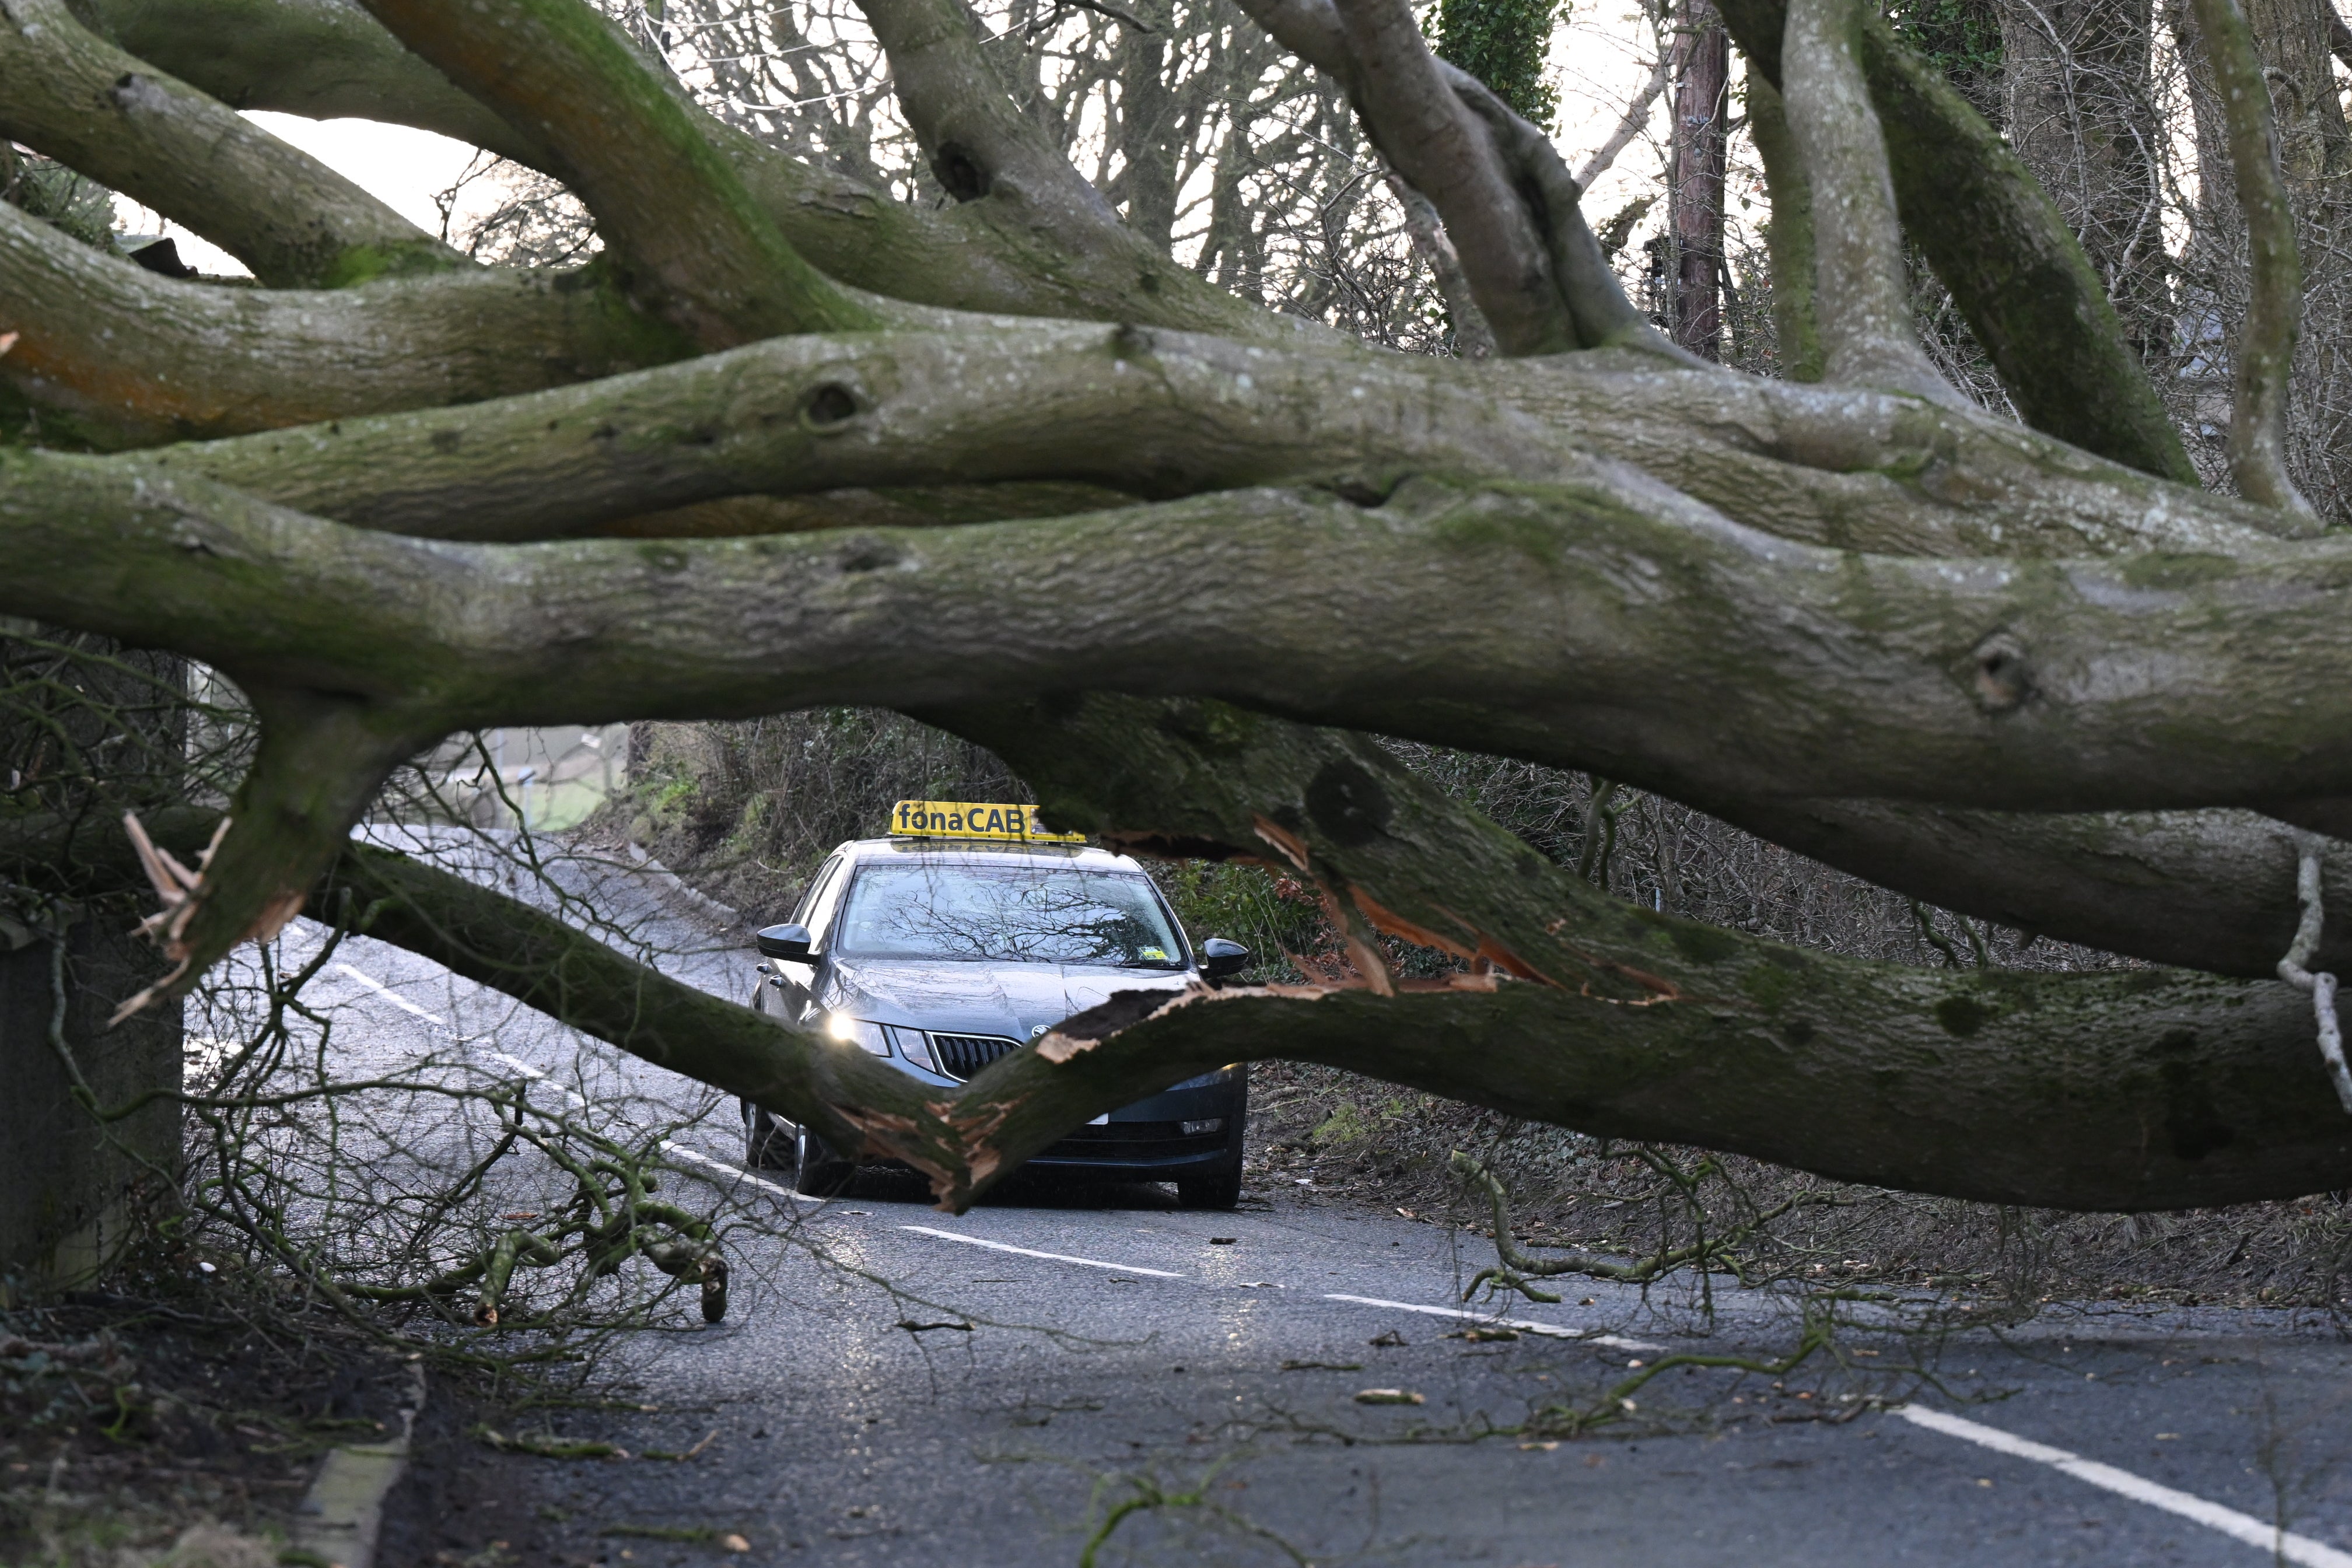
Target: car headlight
point(857, 1032)
point(913, 1046)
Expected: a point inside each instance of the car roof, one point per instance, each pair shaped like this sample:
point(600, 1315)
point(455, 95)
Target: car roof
point(983, 852)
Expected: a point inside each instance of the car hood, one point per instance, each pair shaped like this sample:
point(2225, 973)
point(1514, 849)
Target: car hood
point(1010, 999)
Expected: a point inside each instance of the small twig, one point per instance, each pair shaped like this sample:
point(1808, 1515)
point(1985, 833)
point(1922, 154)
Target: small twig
point(1113, 11)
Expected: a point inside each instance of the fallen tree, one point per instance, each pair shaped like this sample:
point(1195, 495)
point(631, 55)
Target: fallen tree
point(2029, 673)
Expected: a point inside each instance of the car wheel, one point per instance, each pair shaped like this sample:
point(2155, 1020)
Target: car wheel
point(1210, 1192)
point(766, 1145)
point(817, 1171)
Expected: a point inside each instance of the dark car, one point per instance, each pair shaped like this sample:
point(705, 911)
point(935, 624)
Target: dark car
point(941, 955)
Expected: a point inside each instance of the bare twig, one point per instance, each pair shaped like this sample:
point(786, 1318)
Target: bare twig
point(1636, 118)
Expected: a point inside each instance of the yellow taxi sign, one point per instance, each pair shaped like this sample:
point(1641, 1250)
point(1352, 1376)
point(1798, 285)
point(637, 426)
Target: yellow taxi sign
point(967, 819)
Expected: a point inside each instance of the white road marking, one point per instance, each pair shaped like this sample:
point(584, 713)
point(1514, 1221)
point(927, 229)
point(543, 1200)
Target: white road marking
point(668, 1146)
point(2288, 1547)
point(1049, 1256)
point(683, 1153)
point(1552, 1329)
point(389, 994)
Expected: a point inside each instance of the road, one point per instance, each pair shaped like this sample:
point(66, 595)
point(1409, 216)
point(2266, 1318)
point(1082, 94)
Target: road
point(1064, 1366)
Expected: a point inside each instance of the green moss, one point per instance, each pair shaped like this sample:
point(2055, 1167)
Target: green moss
point(366, 263)
point(1769, 986)
point(1217, 728)
point(1705, 943)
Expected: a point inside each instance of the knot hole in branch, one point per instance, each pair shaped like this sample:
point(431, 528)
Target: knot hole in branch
point(965, 180)
point(1348, 804)
point(2003, 678)
point(829, 406)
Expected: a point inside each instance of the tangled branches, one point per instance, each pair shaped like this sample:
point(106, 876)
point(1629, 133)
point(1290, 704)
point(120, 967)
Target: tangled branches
point(1708, 1251)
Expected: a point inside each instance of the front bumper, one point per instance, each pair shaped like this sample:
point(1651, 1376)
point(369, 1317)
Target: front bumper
point(1146, 1141)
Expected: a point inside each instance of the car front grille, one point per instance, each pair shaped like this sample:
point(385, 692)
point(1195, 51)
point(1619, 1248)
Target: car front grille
point(962, 1055)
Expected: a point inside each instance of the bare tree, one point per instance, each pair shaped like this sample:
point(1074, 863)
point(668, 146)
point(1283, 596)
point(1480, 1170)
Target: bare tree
point(2026, 670)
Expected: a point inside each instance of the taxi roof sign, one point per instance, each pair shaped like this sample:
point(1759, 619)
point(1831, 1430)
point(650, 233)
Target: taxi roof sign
point(967, 819)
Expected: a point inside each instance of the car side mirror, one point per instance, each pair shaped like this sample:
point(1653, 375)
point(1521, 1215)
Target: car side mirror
point(785, 942)
point(1221, 957)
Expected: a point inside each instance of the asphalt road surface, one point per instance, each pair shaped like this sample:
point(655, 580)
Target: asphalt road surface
point(1066, 1369)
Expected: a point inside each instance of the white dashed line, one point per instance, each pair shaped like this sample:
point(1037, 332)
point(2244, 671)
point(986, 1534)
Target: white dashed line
point(733, 1173)
point(1552, 1329)
point(2286, 1546)
point(668, 1146)
point(389, 994)
point(1049, 1256)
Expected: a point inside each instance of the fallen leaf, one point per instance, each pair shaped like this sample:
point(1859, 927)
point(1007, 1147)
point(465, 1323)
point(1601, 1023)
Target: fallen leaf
point(1538, 1447)
point(734, 1543)
point(1387, 1396)
point(8, 342)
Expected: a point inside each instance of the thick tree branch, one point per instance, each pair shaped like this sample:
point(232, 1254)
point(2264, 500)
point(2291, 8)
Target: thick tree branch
point(109, 354)
point(1862, 300)
point(1632, 1023)
point(133, 129)
point(2265, 346)
point(1432, 139)
point(695, 246)
point(1788, 237)
point(328, 58)
point(319, 764)
point(1165, 414)
point(979, 143)
point(2003, 248)
point(1762, 666)
point(2202, 890)
point(1510, 207)
point(1596, 301)
point(2142, 1089)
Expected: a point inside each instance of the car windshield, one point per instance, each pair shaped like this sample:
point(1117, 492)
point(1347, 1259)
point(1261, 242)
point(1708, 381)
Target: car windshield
point(1021, 914)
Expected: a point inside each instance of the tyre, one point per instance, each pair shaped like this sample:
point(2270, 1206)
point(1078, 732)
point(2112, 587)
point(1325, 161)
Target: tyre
point(817, 1171)
point(1210, 1192)
point(766, 1145)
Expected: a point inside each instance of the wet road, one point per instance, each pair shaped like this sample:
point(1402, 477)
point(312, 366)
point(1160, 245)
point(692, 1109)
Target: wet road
point(1063, 1367)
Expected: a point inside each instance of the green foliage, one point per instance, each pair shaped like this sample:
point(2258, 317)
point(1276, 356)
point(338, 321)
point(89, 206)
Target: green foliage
point(1502, 43)
point(1961, 38)
point(55, 195)
point(1267, 914)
